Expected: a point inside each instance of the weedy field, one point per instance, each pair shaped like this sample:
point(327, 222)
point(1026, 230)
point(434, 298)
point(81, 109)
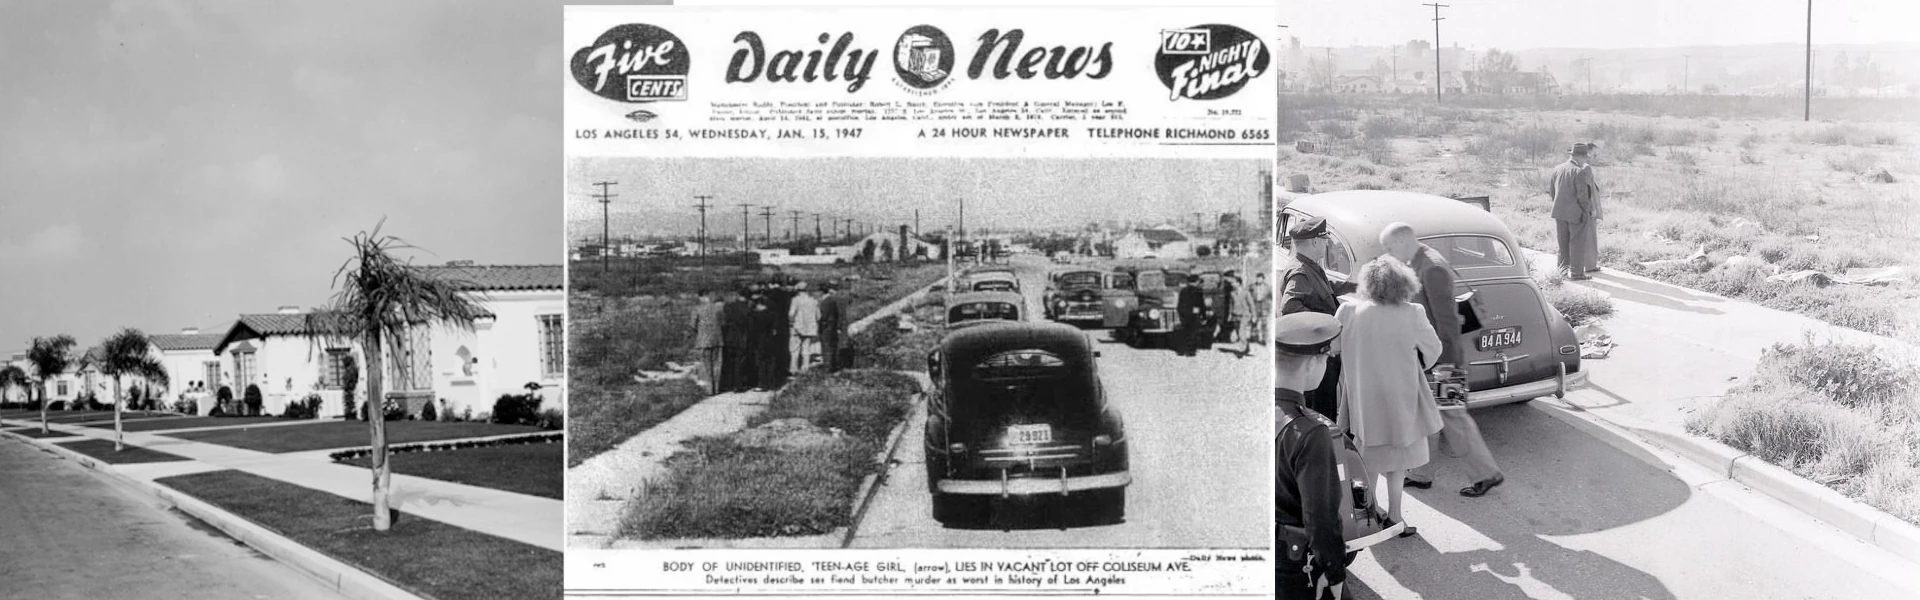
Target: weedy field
point(1722, 194)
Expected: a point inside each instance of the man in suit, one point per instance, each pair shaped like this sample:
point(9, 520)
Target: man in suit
point(833, 327)
point(1575, 211)
point(803, 318)
point(736, 339)
point(1461, 431)
point(1191, 307)
point(707, 339)
point(1306, 288)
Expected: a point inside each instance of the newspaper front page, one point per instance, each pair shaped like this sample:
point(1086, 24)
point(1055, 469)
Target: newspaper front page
point(918, 301)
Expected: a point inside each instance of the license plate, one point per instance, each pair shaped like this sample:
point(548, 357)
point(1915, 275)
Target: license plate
point(1030, 434)
point(1495, 339)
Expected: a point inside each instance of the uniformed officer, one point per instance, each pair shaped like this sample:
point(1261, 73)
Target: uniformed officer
point(1308, 492)
point(1305, 288)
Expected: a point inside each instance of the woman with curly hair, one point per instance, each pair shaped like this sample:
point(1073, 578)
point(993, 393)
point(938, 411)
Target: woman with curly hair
point(1387, 345)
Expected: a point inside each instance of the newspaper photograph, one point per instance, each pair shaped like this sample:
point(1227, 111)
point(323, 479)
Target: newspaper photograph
point(878, 301)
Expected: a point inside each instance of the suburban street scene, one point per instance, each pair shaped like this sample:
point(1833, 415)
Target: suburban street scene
point(1743, 314)
point(848, 407)
point(289, 324)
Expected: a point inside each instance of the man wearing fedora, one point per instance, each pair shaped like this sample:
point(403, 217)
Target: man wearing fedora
point(1575, 210)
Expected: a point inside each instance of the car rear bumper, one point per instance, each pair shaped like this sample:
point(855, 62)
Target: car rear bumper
point(1027, 486)
point(1527, 391)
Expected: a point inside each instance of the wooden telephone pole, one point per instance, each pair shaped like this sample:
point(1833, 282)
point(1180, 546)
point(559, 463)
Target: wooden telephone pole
point(1437, 81)
point(702, 206)
point(606, 200)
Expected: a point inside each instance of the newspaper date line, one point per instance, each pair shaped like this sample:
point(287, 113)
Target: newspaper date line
point(817, 133)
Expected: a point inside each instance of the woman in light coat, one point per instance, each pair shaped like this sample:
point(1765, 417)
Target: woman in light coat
point(1386, 346)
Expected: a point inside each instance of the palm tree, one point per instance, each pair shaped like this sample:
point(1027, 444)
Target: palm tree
point(50, 357)
point(12, 376)
point(128, 353)
point(378, 301)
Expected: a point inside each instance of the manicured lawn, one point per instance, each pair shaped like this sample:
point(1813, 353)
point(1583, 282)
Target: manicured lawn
point(346, 434)
point(428, 557)
point(34, 432)
point(103, 450)
point(533, 469)
point(69, 416)
point(189, 423)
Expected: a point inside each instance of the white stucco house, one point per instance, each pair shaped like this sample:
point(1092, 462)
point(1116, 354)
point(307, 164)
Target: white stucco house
point(1165, 242)
point(520, 340)
point(189, 359)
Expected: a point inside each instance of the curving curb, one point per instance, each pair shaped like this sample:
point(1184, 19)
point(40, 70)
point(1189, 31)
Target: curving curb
point(342, 578)
point(1863, 522)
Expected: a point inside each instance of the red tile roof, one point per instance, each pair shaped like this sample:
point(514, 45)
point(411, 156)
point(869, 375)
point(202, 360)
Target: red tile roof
point(186, 341)
point(503, 278)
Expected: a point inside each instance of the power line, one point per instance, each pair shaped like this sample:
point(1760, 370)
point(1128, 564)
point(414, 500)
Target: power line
point(606, 199)
point(703, 206)
point(1437, 82)
point(1809, 82)
point(746, 212)
point(767, 214)
point(793, 224)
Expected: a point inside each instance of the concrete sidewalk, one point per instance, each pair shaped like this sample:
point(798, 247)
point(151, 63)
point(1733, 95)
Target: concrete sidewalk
point(523, 518)
point(599, 489)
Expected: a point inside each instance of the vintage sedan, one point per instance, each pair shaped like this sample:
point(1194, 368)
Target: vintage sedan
point(992, 280)
point(1087, 297)
point(1021, 416)
point(1516, 346)
point(968, 308)
point(1155, 317)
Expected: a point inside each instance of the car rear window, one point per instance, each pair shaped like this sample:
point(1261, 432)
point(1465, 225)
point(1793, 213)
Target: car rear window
point(983, 310)
point(1078, 279)
point(1470, 251)
point(993, 285)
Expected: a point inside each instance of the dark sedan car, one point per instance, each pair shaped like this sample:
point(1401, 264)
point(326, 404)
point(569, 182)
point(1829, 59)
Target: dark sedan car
point(1088, 296)
point(1021, 416)
point(970, 308)
point(1154, 317)
point(1516, 346)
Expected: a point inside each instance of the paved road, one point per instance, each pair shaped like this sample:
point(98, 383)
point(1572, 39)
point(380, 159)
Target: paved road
point(69, 533)
point(1579, 518)
point(1201, 434)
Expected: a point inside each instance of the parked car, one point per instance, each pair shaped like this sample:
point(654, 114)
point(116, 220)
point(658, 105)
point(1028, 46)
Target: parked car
point(969, 308)
point(992, 281)
point(1021, 415)
point(1086, 296)
point(1516, 346)
point(1153, 317)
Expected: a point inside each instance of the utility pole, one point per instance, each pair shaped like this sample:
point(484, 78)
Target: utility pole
point(816, 229)
point(1686, 72)
point(963, 218)
point(703, 206)
point(793, 224)
point(606, 199)
point(767, 215)
point(1329, 66)
point(1809, 82)
point(1438, 83)
point(916, 223)
point(746, 212)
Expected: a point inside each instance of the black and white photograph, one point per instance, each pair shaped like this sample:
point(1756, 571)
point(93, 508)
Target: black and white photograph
point(285, 312)
point(1597, 300)
point(918, 353)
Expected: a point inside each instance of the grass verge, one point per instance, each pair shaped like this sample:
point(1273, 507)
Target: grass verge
point(1842, 415)
point(103, 450)
point(795, 480)
point(603, 417)
point(188, 423)
point(34, 432)
point(346, 434)
point(431, 558)
point(531, 469)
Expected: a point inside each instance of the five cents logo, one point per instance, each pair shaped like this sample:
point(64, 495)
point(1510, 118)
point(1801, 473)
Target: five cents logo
point(634, 63)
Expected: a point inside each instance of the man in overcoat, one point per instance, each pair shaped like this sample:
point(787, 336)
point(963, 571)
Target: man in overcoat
point(707, 339)
point(1191, 308)
point(1575, 213)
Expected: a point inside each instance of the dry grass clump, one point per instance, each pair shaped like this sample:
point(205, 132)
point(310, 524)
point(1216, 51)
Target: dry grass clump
point(1852, 162)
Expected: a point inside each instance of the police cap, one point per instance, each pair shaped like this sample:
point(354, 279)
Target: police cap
point(1305, 333)
point(1307, 228)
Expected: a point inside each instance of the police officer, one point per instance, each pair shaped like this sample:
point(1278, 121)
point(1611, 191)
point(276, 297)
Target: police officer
point(1308, 492)
point(1305, 288)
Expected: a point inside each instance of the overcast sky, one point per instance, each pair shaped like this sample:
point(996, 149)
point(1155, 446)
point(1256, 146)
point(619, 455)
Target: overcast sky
point(656, 196)
point(170, 164)
point(1524, 24)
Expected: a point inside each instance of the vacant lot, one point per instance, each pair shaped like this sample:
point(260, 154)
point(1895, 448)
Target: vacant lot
point(1756, 197)
point(347, 434)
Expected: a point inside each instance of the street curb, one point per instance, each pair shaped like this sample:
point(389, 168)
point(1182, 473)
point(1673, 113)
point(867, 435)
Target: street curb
point(870, 485)
point(343, 578)
point(1865, 523)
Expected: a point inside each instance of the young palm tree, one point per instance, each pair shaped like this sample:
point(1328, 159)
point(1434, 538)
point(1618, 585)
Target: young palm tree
point(128, 353)
point(12, 376)
point(50, 357)
point(378, 301)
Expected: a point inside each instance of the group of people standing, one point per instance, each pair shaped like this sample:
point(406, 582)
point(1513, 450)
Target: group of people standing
point(761, 334)
point(1239, 321)
point(1362, 370)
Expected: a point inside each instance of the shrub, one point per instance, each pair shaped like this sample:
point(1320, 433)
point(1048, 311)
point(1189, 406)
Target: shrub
point(349, 381)
point(1580, 305)
point(1381, 127)
point(253, 400)
point(185, 406)
point(517, 409)
point(57, 405)
point(551, 418)
point(304, 408)
point(224, 401)
point(1851, 374)
point(428, 413)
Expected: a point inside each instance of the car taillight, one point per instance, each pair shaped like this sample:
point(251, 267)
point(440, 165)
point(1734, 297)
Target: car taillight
point(1102, 440)
point(957, 448)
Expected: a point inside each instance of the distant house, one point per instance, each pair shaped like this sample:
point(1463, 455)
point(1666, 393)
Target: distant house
point(189, 359)
point(889, 247)
point(1516, 83)
point(1359, 83)
point(520, 340)
point(1164, 241)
